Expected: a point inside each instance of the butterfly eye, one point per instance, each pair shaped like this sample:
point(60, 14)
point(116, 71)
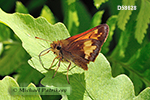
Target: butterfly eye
point(58, 47)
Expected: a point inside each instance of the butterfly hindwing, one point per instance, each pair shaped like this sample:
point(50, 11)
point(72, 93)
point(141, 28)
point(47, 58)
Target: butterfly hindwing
point(88, 49)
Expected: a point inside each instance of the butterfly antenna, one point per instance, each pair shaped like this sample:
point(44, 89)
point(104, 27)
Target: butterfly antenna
point(43, 39)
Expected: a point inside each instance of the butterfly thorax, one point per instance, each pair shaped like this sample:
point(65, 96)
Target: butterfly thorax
point(58, 48)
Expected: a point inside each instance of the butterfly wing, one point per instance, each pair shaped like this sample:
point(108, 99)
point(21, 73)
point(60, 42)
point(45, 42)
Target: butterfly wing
point(88, 49)
point(83, 51)
point(99, 32)
point(87, 44)
point(85, 47)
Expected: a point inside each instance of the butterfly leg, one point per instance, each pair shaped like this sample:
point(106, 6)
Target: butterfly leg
point(53, 62)
point(58, 66)
point(68, 71)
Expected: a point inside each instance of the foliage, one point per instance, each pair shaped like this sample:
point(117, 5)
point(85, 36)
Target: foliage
point(6, 93)
point(127, 49)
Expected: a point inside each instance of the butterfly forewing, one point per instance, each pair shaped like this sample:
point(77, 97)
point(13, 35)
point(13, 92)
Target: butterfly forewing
point(87, 45)
point(99, 33)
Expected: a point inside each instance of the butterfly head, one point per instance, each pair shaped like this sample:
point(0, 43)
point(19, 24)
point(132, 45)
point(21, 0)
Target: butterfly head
point(56, 47)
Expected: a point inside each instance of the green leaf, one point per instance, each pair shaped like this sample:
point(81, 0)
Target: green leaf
point(137, 81)
point(141, 57)
point(104, 82)
point(7, 5)
point(21, 8)
point(98, 3)
point(76, 17)
point(84, 17)
point(96, 20)
point(91, 85)
point(12, 59)
point(113, 6)
point(144, 95)
point(1, 48)
point(70, 1)
point(143, 19)
point(112, 25)
point(119, 51)
point(71, 17)
point(47, 13)
point(5, 33)
point(124, 15)
point(96, 83)
point(26, 74)
point(34, 4)
point(7, 83)
point(4, 37)
point(28, 29)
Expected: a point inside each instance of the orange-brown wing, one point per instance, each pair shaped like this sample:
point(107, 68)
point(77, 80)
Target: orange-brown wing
point(87, 49)
point(87, 45)
point(99, 32)
point(83, 51)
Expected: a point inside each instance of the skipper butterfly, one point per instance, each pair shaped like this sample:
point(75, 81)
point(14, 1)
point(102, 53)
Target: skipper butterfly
point(79, 49)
